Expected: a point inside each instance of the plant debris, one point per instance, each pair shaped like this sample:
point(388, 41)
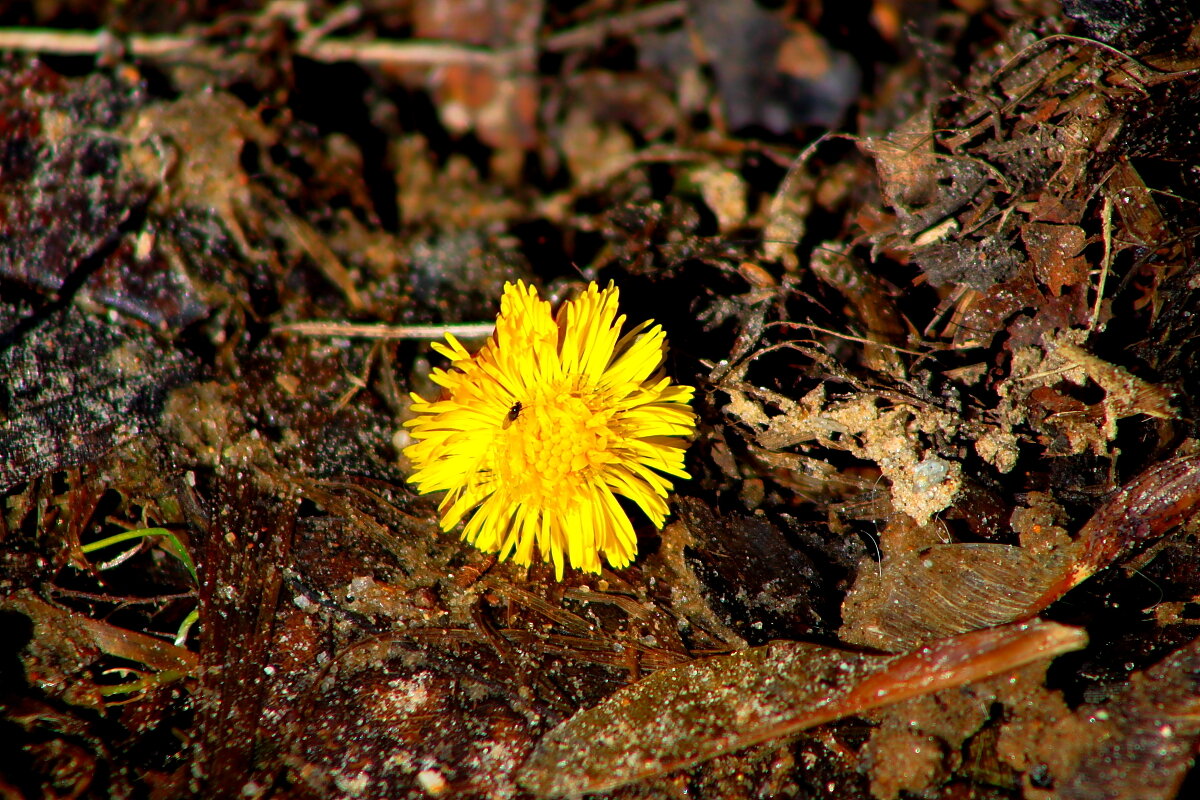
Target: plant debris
point(930, 271)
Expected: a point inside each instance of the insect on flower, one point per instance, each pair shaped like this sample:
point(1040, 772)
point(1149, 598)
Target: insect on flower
point(535, 436)
point(513, 413)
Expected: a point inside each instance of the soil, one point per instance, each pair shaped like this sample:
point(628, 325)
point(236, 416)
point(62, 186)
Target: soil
point(930, 266)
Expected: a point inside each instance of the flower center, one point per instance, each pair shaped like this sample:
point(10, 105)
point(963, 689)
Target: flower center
point(552, 446)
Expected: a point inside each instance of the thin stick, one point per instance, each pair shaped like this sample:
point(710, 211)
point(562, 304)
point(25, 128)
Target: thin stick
point(52, 41)
point(349, 330)
point(1106, 217)
point(330, 49)
point(593, 34)
point(382, 51)
point(850, 338)
point(45, 40)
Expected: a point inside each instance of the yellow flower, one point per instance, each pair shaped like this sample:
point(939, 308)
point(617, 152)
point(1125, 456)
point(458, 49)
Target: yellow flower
point(536, 434)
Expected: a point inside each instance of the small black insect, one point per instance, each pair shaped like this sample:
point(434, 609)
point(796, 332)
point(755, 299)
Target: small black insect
point(512, 414)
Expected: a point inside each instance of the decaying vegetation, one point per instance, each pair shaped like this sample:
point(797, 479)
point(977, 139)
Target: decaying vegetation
point(931, 269)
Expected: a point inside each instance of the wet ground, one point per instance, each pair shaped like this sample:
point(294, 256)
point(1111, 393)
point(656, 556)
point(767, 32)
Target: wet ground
point(931, 269)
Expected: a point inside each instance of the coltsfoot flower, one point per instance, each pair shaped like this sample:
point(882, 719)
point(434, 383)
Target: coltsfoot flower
point(536, 434)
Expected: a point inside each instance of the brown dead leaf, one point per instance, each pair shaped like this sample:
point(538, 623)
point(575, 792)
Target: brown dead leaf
point(65, 643)
point(1140, 214)
point(687, 714)
point(945, 589)
point(1142, 743)
point(1054, 250)
point(906, 163)
point(1125, 394)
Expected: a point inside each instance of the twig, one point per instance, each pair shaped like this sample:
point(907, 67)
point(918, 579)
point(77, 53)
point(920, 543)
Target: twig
point(1106, 264)
point(330, 49)
point(848, 337)
point(416, 52)
point(71, 43)
point(593, 34)
point(1035, 47)
point(348, 330)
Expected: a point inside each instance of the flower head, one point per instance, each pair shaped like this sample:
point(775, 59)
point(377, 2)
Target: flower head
point(536, 434)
